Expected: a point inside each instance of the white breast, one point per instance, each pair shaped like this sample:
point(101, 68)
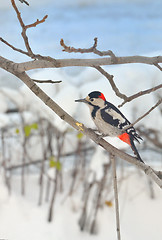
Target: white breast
point(105, 127)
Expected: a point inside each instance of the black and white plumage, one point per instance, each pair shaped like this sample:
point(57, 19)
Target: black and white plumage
point(110, 121)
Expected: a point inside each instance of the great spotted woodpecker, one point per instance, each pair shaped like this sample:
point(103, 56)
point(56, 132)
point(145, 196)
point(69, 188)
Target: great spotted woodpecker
point(110, 121)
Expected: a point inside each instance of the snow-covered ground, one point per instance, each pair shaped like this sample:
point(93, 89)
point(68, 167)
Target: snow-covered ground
point(127, 28)
point(21, 218)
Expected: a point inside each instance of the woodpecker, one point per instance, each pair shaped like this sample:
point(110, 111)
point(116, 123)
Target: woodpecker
point(110, 121)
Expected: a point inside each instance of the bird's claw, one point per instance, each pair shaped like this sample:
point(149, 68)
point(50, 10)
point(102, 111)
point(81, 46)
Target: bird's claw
point(93, 130)
point(101, 136)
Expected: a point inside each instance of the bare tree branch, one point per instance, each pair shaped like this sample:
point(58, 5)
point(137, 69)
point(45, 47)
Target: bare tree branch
point(41, 58)
point(158, 173)
point(25, 38)
point(151, 109)
point(14, 48)
point(92, 49)
point(112, 157)
point(46, 81)
point(121, 95)
point(24, 28)
point(23, 1)
point(139, 94)
point(36, 22)
point(158, 66)
point(112, 83)
point(73, 62)
point(144, 115)
point(49, 62)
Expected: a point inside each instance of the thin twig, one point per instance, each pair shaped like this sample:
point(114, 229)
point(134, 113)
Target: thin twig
point(14, 48)
point(158, 66)
point(111, 81)
point(46, 81)
point(35, 56)
point(144, 115)
point(36, 22)
point(23, 28)
point(23, 1)
point(121, 95)
point(151, 109)
point(139, 94)
point(116, 196)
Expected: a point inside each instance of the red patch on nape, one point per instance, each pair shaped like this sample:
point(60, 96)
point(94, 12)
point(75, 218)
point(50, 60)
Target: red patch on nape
point(125, 138)
point(102, 97)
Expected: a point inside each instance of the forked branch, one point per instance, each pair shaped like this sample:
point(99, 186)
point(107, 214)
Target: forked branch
point(111, 81)
point(92, 49)
point(144, 115)
point(141, 93)
point(121, 95)
point(24, 28)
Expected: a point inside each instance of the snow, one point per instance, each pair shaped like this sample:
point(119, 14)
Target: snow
point(97, 162)
point(21, 218)
point(4, 120)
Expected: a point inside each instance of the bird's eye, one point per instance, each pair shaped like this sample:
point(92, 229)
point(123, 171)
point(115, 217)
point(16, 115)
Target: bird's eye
point(91, 99)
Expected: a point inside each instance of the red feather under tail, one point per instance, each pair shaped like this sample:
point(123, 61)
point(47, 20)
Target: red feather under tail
point(125, 137)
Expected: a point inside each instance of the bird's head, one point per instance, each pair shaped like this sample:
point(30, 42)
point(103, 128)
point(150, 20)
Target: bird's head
point(94, 99)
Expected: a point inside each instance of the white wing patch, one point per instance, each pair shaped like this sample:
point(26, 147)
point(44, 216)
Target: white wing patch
point(115, 115)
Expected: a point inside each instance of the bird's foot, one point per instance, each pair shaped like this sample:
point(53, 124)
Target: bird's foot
point(102, 136)
point(99, 134)
point(93, 129)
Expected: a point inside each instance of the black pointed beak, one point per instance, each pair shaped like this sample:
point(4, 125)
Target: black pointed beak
point(82, 100)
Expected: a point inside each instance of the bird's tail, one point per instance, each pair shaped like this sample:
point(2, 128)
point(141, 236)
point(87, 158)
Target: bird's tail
point(135, 150)
point(129, 139)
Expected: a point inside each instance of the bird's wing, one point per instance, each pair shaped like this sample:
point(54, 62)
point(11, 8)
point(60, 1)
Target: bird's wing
point(113, 116)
